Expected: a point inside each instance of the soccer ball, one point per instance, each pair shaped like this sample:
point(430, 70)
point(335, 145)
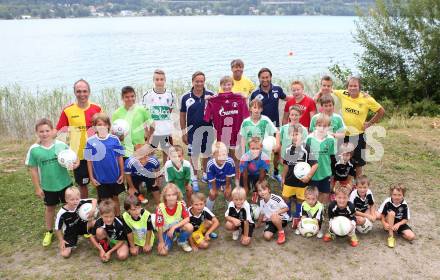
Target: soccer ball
point(255, 211)
point(269, 143)
point(366, 227)
point(83, 211)
point(301, 169)
point(120, 127)
point(67, 158)
point(308, 227)
point(340, 225)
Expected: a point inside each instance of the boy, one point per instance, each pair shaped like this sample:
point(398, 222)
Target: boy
point(326, 89)
point(344, 170)
point(273, 213)
point(394, 215)
point(254, 166)
point(285, 139)
point(110, 233)
point(337, 126)
point(363, 201)
point(203, 221)
point(307, 105)
point(297, 152)
point(312, 208)
point(221, 170)
point(238, 217)
point(160, 101)
point(241, 84)
point(49, 178)
point(342, 207)
point(179, 171)
point(69, 225)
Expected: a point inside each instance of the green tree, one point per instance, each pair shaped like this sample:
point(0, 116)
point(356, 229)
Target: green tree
point(401, 57)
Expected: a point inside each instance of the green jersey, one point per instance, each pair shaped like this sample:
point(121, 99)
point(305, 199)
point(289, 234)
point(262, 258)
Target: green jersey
point(315, 212)
point(137, 116)
point(286, 140)
point(322, 150)
point(264, 127)
point(53, 176)
point(336, 123)
point(180, 177)
point(139, 227)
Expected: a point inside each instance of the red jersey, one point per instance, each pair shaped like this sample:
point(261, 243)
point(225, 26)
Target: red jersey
point(306, 105)
point(227, 111)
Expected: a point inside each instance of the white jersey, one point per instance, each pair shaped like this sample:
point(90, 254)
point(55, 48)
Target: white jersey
point(160, 106)
point(274, 204)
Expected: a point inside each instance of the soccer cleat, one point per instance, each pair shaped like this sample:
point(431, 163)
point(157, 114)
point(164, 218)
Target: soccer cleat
point(142, 198)
point(185, 246)
point(205, 178)
point(213, 235)
point(235, 235)
point(104, 245)
point(320, 234)
point(254, 197)
point(281, 237)
point(328, 237)
point(195, 186)
point(295, 223)
point(391, 242)
point(354, 242)
point(47, 240)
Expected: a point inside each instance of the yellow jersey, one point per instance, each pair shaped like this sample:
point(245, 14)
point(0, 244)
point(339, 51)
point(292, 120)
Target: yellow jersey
point(244, 86)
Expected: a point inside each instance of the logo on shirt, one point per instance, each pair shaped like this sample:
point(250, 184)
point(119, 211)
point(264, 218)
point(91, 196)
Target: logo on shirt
point(189, 102)
point(234, 104)
point(275, 95)
point(352, 111)
point(260, 97)
point(223, 113)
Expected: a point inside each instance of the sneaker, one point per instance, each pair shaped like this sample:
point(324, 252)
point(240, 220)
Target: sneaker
point(297, 231)
point(281, 237)
point(142, 198)
point(104, 245)
point(354, 241)
point(235, 235)
point(185, 246)
point(320, 234)
point(47, 240)
point(254, 197)
point(295, 223)
point(205, 178)
point(87, 235)
point(213, 235)
point(391, 242)
point(328, 237)
point(195, 185)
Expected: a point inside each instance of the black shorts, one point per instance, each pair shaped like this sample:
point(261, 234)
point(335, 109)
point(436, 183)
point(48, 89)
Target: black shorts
point(109, 190)
point(55, 198)
point(149, 183)
point(81, 173)
point(164, 141)
point(359, 151)
point(402, 228)
point(272, 228)
point(252, 180)
point(322, 185)
point(251, 228)
point(71, 234)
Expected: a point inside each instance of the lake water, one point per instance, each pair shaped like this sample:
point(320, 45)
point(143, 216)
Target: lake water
point(113, 52)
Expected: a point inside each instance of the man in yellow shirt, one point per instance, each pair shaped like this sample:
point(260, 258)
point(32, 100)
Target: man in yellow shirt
point(355, 106)
point(242, 84)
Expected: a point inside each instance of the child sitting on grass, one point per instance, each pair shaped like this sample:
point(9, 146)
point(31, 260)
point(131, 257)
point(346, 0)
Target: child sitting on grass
point(312, 208)
point(363, 201)
point(238, 217)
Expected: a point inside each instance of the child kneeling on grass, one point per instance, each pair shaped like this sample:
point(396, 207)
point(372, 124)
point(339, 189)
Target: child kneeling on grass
point(312, 208)
point(171, 218)
point(203, 221)
point(238, 217)
point(273, 213)
point(363, 201)
point(395, 215)
point(69, 225)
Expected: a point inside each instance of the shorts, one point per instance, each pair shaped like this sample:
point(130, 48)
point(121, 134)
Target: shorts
point(182, 236)
point(199, 235)
point(272, 228)
point(298, 192)
point(203, 146)
point(252, 180)
point(109, 190)
point(322, 185)
point(165, 142)
point(81, 173)
point(402, 228)
point(359, 151)
point(149, 183)
point(55, 198)
point(251, 228)
point(71, 234)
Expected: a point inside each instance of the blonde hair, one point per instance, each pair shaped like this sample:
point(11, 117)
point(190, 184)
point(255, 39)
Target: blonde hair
point(296, 82)
point(323, 120)
point(176, 148)
point(255, 140)
point(341, 189)
point(226, 79)
point(71, 191)
point(219, 146)
point(346, 148)
point(312, 190)
point(363, 178)
point(198, 196)
point(106, 206)
point(170, 187)
point(238, 193)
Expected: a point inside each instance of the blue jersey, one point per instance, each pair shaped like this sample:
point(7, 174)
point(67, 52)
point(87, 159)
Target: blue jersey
point(270, 102)
point(134, 167)
point(219, 173)
point(104, 154)
point(253, 166)
point(194, 108)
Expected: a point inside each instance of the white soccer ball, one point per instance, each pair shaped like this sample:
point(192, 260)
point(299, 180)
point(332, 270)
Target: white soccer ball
point(255, 211)
point(340, 225)
point(83, 211)
point(67, 158)
point(269, 143)
point(120, 127)
point(308, 227)
point(366, 227)
point(301, 169)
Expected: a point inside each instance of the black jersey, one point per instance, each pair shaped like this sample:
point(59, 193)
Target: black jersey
point(67, 220)
point(401, 210)
point(343, 170)
point(348, 211)
point(118, 230)
point(360, 204)
point(292, 157)
point(196, 221)
point(243, 214)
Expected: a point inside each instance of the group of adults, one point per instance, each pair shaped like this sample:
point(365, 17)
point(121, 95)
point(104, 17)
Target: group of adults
point(354, 106)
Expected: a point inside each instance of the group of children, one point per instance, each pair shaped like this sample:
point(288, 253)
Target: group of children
point(182, 212)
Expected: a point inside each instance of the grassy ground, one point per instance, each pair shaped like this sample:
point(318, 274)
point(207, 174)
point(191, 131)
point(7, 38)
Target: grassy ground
point(412, 156)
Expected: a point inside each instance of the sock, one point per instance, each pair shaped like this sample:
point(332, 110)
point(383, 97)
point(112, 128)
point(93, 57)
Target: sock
point(289, 204)
point(210, 204)
point(297, 210)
